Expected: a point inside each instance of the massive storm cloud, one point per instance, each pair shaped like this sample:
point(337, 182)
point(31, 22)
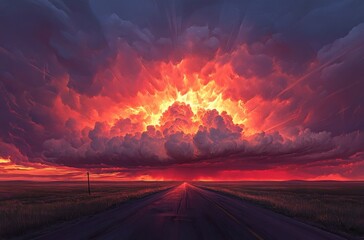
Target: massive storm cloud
point(184, 87)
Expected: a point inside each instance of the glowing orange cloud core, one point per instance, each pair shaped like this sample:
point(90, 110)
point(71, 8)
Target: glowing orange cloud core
point(194, 93)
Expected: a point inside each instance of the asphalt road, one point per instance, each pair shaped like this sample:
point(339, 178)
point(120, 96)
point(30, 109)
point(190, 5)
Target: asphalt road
point(187, 212)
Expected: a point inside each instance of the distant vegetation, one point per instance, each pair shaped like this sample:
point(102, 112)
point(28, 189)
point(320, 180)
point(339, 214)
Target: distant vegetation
point(334, 206)
point(28, 206)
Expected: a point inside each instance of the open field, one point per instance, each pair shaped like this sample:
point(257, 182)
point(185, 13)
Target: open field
point(26, 206)
point(334, 206)
point(187, 212)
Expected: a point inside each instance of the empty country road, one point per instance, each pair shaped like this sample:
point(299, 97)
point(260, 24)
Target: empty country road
point(186, 212)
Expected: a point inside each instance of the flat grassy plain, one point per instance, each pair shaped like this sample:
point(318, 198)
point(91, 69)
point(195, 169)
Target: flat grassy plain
point(335, 206)
point(29, 206)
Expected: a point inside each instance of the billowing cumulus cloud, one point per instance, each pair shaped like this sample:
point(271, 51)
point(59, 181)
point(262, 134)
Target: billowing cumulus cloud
point(202, 88)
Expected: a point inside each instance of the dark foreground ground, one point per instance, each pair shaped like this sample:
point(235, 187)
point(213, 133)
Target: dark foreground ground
point(186, 212)
point(334, 206)
point(30, 206)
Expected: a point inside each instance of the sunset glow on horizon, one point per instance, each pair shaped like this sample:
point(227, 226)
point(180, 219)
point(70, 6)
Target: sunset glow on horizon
point(181, 92)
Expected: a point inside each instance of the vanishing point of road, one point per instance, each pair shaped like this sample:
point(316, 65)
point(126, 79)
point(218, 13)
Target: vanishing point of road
point(187, 212)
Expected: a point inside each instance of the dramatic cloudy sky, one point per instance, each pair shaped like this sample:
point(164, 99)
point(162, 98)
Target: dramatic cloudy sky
point(182, 89)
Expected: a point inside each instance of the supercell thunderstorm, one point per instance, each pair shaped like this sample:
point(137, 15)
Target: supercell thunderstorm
point(213, 87)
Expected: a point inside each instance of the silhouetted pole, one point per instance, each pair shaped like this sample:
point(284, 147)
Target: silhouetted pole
point(88, 183)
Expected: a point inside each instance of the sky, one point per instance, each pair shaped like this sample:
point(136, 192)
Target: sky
point(182, 90)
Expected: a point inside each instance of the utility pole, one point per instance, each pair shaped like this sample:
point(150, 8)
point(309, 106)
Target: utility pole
point(88, 183)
